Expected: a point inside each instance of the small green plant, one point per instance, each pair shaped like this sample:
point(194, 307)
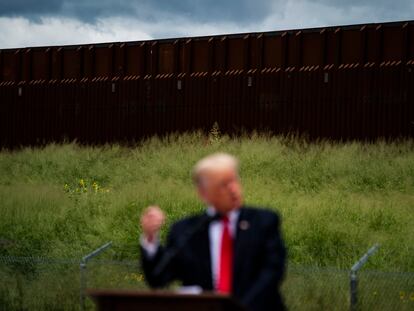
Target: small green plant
point(215, 134)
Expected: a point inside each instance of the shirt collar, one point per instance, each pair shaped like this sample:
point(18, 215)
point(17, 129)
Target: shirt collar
point(233, 214)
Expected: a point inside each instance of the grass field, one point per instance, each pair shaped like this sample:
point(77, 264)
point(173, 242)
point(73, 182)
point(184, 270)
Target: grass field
point(336, 199)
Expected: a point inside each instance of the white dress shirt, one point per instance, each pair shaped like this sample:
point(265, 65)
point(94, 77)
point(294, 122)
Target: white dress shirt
point(215, 231)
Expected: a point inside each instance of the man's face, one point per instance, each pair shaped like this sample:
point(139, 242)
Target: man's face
point(221, 188)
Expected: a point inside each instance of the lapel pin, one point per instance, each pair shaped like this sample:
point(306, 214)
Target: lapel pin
point(244, 225)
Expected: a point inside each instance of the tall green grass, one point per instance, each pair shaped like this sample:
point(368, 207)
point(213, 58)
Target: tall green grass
point(336, 199)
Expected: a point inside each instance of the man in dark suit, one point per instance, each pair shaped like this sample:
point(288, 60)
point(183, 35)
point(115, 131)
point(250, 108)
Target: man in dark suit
point(231, 248)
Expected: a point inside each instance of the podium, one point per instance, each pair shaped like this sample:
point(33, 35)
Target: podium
point(132, 300)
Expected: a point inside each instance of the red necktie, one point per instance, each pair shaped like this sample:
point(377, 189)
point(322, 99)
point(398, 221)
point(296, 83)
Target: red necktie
point(226, 259)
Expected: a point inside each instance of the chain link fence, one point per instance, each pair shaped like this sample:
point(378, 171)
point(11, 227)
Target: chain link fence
point(56, 284)
point(321, 288)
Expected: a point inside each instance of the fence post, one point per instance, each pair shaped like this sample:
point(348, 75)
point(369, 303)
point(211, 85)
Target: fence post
point(83, 271)
point(82, 288)
point(354, 277)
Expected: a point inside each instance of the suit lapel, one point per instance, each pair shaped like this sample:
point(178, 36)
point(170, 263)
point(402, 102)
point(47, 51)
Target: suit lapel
point(242, 232)
point(205, 257)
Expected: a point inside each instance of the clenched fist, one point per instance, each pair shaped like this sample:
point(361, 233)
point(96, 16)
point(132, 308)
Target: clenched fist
point(151, 221)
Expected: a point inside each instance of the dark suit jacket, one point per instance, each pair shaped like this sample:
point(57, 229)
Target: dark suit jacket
point(259, 259)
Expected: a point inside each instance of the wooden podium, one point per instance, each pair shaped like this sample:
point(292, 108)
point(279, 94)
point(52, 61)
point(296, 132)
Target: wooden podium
point(130, 300)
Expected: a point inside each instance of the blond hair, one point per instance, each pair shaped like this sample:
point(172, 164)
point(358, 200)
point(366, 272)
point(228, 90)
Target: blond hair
point(215, 161)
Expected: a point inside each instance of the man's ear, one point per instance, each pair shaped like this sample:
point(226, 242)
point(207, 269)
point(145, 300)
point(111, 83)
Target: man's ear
point(202, 194)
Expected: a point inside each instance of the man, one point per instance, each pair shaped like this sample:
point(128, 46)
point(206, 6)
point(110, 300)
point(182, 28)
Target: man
point(231, 249)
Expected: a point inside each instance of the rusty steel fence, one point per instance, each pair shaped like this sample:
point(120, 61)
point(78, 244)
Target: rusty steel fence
point(341, 82)
point(362, 44)
point(349, 101)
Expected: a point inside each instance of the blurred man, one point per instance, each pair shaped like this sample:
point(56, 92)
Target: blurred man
point(231, 248)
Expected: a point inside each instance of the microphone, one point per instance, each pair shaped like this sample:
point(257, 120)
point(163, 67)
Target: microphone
point(172, 252)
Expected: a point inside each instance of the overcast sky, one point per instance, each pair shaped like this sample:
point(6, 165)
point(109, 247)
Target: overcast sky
point(57, 22)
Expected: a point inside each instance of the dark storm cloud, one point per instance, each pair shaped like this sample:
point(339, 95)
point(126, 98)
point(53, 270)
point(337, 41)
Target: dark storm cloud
point(241, 11)
point(28, 7)
point(81, 9)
